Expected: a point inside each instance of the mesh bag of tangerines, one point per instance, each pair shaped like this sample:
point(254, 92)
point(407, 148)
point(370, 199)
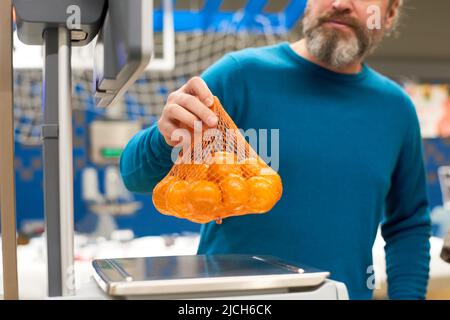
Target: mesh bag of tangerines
point(218, 175)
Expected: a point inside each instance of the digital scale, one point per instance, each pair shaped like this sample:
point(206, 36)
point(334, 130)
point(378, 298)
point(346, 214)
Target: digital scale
point(210, 277)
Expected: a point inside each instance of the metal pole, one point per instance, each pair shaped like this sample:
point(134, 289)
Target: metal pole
point(7, 183)
point(58, 163)
point(66, 161)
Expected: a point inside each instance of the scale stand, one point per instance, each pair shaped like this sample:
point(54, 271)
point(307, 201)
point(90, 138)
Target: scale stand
point(124, 28)
point(46, 22)
point(58, 161)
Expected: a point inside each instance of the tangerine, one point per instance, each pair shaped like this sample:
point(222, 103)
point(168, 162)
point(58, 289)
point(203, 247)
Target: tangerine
point(200, 220)
point(234, 192)
point(250, 167)
point(222, 165)
point(159, 196)
point(205, 196)
point(263, 194)
point(191, 171)
point(177, 196)
point(273, 176)
point(224, 157)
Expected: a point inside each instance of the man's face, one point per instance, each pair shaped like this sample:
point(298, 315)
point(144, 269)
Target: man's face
point(340, 32)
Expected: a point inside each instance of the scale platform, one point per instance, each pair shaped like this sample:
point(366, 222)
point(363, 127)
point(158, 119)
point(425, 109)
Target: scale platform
point(205, 276)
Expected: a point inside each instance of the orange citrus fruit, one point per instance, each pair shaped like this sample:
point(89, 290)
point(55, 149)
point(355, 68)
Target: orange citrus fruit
point(263, 194)
point(193, 171)
point(177, 196)
point(234, 192)
point(223, 164)
point(224, 157)
point(159, 196)
point(250, 167)
point(274, 177)
point(204, 196)
point(200, 220)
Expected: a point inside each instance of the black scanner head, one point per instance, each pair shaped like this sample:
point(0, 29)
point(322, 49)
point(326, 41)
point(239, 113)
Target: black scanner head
point(83, 17)
point(124, 45)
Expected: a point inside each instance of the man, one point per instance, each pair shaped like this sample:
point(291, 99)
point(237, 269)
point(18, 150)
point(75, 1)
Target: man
point(350, 150)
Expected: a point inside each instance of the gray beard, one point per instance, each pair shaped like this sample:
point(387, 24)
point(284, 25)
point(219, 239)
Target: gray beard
point(333, 49)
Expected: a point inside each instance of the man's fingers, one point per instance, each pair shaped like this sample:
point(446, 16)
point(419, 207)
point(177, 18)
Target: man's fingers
point(177, 112)
point(198, 87)
point(174, 134)
point(195, 106)
point(182, 137)
point(167, 128)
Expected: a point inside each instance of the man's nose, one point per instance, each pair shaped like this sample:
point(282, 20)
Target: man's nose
point(344, 6)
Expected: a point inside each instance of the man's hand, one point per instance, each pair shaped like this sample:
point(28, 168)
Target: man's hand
point(184, 107)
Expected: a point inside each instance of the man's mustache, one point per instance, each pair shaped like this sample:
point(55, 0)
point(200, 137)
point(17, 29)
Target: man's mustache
point(349, 21)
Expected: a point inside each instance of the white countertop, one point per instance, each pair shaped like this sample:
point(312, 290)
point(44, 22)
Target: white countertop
point(33, 277)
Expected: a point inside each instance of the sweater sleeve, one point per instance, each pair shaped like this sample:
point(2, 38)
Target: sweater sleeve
point(406, 227)
point(147, 158)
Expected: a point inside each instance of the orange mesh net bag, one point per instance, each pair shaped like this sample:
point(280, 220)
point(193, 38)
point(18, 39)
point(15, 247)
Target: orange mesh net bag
point(219, 175)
